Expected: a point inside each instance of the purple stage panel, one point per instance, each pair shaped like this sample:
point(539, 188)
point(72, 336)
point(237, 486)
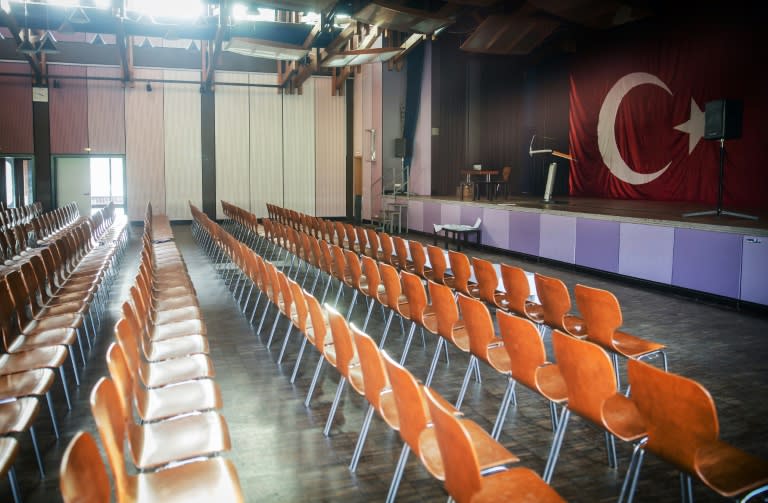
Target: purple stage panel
point(524, 232)
point(646, 251)
point(450, 214)
point(597, 244)
point(431, 216)
point(754, 270)
point(558, 238)
point(495, 228)
point(707, 261)
point(416, 216)
point(469, 214)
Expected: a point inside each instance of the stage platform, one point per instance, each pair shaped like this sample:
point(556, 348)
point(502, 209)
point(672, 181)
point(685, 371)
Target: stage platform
point(724, 256)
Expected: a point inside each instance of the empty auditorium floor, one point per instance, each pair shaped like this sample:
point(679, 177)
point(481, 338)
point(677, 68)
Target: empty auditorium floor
point(282, 455)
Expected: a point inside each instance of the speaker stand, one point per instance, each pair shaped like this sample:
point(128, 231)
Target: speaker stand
point(719, 211)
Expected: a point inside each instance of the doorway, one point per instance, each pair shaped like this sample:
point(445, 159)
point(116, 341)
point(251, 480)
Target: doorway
point(16, 181)
point(91, 182)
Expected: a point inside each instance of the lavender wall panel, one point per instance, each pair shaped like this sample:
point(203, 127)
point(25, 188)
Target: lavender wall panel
point(106, 112)
point(495, 228)
point(524, 232)
point(597, 244)
point(416, 216)
point(432, 216)
point(68, 107)
point(450, 214)
point(646, 251)
point(754, 270)
point(707, 261)
point(15, 110)
point(470, 214)
point(558, 238)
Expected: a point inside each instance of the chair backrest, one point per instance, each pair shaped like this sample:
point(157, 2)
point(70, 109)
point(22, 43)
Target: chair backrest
point(372, 277)
point(462, 468)
point(327, 257)
point(273, 283)
point(555, 299)
point(588, 374)
point(506, 171)
point(392, 286)
point(401, 249)
point(460, 268)
point(362, 239)
point(487, 281)
point(479, 324)
point(342, 341)
point(340, 233)
point(20, 296)
point(353, 268)
point(411, 405)
point(316, 322)
point(285, 298)
point(129, 342)
point(385, 240)
point(516, 287)
point(299, 312)
point(349, 232)
point(414, 291)
point(524, 346)
point(111, 426)
point(437, 262)
point(83, 477)
point(418, 257)
point(444, 306)
point(122, 378)
point(601, 312)
point(679, 413)
point(374, 374)
point(373, 243)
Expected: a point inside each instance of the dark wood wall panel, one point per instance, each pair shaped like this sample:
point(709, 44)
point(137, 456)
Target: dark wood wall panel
point(15, 110)
point(69, 111)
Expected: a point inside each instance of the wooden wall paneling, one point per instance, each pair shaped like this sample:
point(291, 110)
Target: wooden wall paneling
point(183, 158)
point(106, 111)
point(232, 136)
point(366, 124)
point(69, 111)
point(16, 110)
point(330, 151)
point(299, 149)
point(145, 145)
point(266, 144)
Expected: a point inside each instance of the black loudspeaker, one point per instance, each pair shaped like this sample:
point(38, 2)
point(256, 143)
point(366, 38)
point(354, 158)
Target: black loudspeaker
point(722, 119)
point(400, 147)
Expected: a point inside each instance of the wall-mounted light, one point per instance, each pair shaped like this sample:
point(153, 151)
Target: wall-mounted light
point(149, 87)
point(56, 84)
point(86, 149)
point(98, 40)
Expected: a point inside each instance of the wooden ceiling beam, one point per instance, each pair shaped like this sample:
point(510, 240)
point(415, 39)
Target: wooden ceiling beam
point(125, 50)
point(10, 22)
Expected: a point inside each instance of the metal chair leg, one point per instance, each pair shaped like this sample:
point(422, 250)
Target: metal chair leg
point(398, 475)
point(298, 361)
point(361, 439)
point(312, 385)
point(334, 406)
point(508, 399)
point(557, 442)
point(465, 382)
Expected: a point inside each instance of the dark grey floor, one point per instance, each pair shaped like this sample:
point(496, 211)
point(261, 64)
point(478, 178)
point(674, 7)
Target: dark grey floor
point(282, 455)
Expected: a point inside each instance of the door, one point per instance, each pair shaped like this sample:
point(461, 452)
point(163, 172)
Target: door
point(73, 183)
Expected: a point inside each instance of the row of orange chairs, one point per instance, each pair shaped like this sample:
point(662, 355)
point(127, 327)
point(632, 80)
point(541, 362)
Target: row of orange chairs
point(161, 398)
point(45, 301)
point(602, 315)
point(17, 240)
point(451, 447)
point(20, 215)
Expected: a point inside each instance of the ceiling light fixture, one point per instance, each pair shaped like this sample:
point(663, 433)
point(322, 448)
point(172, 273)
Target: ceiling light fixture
point(147, 44)
point(98, 40)
point(192, 47)
point(48, 44)
point(78, 16)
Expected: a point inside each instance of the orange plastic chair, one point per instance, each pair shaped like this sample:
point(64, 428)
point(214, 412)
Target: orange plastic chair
point(683, 429)
point(395, 300)
point(487, 284)
point(83, 476)
point(517, 292)
point(589, 378)
point(419, 312)
point(316, 333)
point(419, 259)
point(450, 328)
point(462, 272)
point(418, 435)
point(387, 249)
point(463, 479)
point(556, 305)
point(401, 250)
point(529, 366)
point(439, 266)
point(377, 390)
point(372, 288)
point(483, 343)
point(602, 316)
point(343, 356)
point(284, 305)
point(354, 279)
point(205, 480)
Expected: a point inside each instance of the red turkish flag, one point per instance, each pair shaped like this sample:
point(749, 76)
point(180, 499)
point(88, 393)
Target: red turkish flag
point(637, 115)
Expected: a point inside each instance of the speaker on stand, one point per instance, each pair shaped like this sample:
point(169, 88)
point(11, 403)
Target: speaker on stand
point(722, 121)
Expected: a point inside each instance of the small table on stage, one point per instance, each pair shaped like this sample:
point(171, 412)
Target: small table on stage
point(488, 173)
point(457, 234)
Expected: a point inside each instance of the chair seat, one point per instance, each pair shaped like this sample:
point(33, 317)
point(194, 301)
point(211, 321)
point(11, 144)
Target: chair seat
point(176, 370)
point(59, 321)
point(42, 357)
point(18, 415)
point(31, 382)
point(622, 419)
point(201, 481)
point(517, 484)
point(388, 409)
point(164, 302)
point(575, 326)
point(178, 439)
point(728, 470)
point(498, 358)
point(189, 396)
point(9, 448)
point(54, 337)
point(356, 379)
point(176, 347)
point(632, 346)
point(550, 383)
point(176, 315)
point(534, 312)
point(173, 330)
